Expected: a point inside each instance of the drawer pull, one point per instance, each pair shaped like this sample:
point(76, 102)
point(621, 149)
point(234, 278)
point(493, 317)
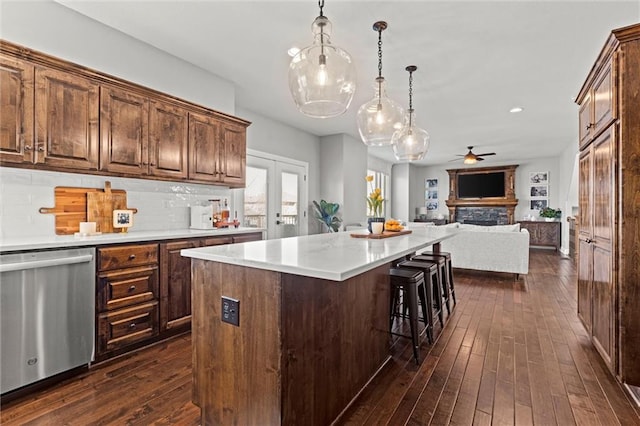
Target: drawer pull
point(132, 325)
point(132, 256)
point(132, 288)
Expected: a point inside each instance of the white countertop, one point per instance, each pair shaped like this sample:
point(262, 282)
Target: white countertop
point(335, 256)
point(63, 241)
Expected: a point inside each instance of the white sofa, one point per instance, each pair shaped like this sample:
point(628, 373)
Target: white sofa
point(501, 248)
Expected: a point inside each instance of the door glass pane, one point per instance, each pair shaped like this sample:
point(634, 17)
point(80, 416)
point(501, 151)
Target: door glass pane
point(289, 208)
point(255, 198)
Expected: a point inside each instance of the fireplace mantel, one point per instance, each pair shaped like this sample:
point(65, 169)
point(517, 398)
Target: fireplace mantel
point(509, 200)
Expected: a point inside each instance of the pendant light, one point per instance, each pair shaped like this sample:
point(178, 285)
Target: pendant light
point(322, 77)
point(381, 116)
point(411, 142)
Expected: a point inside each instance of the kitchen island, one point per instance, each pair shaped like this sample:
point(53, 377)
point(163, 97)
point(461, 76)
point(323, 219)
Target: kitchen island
point(313, 324)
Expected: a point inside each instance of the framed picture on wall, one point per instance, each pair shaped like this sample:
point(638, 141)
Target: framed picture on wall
point(538, 204)
point(539, 191)
point(539, 178)
point(432, 205)
point(432, 195)
point(431, 183)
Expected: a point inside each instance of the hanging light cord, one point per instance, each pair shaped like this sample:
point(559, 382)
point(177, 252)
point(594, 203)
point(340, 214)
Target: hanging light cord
point(380, 66)
point(410, 97)
point(321, 5)
point(322, 58)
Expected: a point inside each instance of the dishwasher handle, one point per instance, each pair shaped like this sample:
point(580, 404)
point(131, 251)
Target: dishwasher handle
point(33, 264)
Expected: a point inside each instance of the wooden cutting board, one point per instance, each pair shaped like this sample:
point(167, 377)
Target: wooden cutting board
point(385, 234)
point(71, 207)
point(101, 204)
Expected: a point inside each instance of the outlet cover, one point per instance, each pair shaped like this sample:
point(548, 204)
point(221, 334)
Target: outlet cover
point(231, 311)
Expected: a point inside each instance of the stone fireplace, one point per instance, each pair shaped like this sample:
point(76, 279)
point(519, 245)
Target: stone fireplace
point(483, 211)
point(482, 215)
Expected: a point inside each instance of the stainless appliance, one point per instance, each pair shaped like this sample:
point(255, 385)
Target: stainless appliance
point(47, 311)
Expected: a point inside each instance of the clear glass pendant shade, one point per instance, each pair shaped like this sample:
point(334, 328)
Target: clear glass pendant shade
point(322, 77)
point(410, 143)
point(379, 118)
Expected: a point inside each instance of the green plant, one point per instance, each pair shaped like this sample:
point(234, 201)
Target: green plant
point(549, 212)
point(374, 200)
point(326, 213)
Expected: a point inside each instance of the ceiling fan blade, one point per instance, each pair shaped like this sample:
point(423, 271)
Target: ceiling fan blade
point(479, 159)
point(455, 159)
point(484, 155)
point(459, 155)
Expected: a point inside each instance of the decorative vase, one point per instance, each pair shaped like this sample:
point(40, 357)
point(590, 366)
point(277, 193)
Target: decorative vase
point(373, 219)
point(550, 219)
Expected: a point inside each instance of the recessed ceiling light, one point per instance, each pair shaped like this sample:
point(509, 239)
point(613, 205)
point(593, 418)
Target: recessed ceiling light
point(293, 51)
point(516, 109)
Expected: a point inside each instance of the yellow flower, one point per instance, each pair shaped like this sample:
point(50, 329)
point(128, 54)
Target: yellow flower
point(374, 200)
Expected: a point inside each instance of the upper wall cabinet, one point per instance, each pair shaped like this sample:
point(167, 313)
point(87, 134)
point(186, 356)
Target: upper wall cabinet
point(16, 104)
point(60, 116)
point(66, 114)
point(168, 140)
point(124, 132)
point(597, 109)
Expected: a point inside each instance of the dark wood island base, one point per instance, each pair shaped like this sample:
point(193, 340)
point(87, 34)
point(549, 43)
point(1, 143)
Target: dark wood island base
point(303, 350)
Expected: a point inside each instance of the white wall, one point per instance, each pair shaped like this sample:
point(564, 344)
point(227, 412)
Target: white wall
point(557, 184)
point(400, 177)
point(56, 30)
point(51, 28)
point(161, 205)
point(568, 190)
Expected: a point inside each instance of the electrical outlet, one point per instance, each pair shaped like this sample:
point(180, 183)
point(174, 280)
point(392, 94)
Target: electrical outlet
point(231, 311)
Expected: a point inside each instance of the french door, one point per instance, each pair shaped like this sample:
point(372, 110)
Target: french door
point(275, 196)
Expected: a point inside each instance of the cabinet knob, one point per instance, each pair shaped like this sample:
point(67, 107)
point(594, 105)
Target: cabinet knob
point(588, 241)
point(27, 147)
point(132, 288)
point(132, 256)
point(132, 325)
point(41, 148)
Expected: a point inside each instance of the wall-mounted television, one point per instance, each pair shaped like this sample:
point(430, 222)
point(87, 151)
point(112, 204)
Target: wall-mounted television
point(481, 185)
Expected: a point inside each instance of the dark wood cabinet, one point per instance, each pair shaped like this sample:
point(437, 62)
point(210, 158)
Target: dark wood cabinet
point(175, 286)
point(545, 234)
point(168, 140)
point(66, 120)
point(609, 192)
point(16, 104)
point(126, 298)
point(233, 154)
point(175, 279)
point(204, 155)
point(61, 116)
point(124, 132)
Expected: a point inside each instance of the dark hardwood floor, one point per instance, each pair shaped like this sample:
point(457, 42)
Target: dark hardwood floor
point(512, 353)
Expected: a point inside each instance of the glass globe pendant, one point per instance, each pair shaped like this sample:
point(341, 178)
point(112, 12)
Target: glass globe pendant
point(411, 142)
point(379, 118)
point(322, 77)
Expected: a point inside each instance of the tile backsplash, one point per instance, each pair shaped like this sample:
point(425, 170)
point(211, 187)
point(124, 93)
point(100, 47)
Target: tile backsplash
point(161, 205)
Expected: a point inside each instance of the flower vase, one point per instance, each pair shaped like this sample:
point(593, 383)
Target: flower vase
point(371, 220)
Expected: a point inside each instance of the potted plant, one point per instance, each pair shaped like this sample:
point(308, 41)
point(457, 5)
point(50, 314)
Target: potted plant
point(550, 214)
point(326, 214)
point(374, 201)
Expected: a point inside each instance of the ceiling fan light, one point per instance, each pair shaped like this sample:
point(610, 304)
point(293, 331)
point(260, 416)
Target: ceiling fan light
point(322, 77)
point(469, 160)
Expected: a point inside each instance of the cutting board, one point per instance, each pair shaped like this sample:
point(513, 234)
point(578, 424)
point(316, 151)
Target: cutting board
point(101, 204)
point(385, 234)
point(71, 207)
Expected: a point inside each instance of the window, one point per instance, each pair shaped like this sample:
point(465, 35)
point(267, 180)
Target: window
point(380, 180)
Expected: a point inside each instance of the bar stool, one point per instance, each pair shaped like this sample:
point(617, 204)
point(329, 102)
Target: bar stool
point(447, 257)
point(411, 282)
point(443, 275)
point(434, 288)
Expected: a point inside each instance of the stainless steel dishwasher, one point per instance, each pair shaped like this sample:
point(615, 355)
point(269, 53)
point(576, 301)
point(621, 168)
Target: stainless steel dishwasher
point(47, 311)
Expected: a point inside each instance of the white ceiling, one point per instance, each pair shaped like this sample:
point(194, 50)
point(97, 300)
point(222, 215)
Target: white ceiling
point(476, 60)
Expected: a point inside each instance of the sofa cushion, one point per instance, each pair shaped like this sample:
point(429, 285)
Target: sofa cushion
point(494, 228)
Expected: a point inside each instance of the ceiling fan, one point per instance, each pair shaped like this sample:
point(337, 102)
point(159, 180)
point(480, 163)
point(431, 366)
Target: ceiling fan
point(471, 158)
